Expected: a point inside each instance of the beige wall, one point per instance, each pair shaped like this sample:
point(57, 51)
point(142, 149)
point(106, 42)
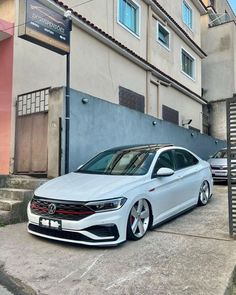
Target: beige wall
point(218, 120)
point(187, 108)
point(169, 61)
point(35, 67)
point(56, 100)
point(174, 8)
point(7, 10)
point(99, 71)
point(218, 68)
point(103, 13)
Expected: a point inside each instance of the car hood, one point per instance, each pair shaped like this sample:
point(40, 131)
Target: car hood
point(217, 162)
point(87, 187)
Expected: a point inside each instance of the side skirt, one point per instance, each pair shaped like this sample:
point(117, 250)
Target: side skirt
point(172, 217)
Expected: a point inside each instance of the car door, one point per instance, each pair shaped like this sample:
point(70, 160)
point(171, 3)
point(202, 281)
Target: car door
point(186, 170)
point(163, 189)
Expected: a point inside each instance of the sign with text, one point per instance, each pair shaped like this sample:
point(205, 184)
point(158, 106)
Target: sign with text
point(44, 26)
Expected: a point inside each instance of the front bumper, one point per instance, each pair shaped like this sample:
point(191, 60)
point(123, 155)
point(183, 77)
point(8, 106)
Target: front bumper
point(219, 174)
point(100, 229)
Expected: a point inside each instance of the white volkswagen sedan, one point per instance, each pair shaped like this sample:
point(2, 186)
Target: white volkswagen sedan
point(120, 194)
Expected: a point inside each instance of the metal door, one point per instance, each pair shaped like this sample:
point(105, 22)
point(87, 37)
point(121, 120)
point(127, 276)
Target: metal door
point(31, 155)
point(231, 159)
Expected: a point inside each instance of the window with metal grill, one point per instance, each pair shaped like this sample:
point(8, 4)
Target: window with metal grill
point(131, 99)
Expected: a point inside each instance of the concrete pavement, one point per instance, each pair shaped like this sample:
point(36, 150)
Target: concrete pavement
point(192, 255)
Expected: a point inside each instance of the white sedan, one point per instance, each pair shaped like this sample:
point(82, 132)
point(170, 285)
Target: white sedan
point(120, 194)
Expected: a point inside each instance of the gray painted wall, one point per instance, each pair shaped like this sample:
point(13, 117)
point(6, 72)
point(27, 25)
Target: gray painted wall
point(99, 125)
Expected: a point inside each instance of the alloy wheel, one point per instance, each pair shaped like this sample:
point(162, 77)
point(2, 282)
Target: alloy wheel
point(204, 193)
point(139, 218)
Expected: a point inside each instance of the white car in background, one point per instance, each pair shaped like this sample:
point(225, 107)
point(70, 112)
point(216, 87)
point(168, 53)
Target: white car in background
point(120, 194)
point(219, 166)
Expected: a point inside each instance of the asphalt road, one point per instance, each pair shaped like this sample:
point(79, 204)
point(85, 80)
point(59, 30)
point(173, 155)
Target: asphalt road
point(191, 255)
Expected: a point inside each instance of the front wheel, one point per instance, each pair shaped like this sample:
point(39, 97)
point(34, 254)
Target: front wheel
point(138, 220)
point(204, 194)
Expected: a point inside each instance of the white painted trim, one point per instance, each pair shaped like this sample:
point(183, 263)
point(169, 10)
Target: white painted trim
point(190, 7)
point(157, 35)
point(194, 64)
point(139, 19)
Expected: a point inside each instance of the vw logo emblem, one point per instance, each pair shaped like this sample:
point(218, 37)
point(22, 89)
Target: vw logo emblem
point(52, 208)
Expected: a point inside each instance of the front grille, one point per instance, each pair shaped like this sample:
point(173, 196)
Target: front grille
point(67, 235)
point(218, 168)
point(64, 210)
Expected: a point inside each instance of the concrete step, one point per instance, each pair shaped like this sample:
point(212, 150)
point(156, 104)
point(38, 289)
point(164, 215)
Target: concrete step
point(8, 205)
point(22, 182)
point(15, 194)
point(5, 217)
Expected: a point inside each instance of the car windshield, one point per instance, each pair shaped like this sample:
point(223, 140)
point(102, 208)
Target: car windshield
point(125, 162)
point(221, 155)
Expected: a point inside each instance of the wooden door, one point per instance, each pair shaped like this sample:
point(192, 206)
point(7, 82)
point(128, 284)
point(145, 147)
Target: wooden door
point(31, 155)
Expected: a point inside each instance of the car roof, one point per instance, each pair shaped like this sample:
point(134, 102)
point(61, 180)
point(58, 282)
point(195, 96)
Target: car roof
point(155, 146)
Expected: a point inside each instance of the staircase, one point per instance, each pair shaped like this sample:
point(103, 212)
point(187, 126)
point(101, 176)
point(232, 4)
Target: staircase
point(15, 193)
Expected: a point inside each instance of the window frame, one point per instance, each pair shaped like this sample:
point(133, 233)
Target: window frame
point(138, 16)
point(159, 24)
point(187, 5)
point(193, 78)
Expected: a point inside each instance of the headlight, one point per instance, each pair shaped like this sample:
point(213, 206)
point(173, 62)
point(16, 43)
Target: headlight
point(106, 205)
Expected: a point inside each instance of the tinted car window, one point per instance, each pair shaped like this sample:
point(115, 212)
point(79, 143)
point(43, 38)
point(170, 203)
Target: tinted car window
point(165, 160)
point(184, 159)
point(120, 162)
point(221, 155)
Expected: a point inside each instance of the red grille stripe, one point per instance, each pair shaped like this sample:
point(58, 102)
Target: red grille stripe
point(34, 206)
point(74, 212)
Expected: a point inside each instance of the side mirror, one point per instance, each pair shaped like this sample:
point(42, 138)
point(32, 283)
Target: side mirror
point(163, 172)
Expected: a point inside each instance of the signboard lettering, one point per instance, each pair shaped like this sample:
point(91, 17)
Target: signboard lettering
point(44, 26)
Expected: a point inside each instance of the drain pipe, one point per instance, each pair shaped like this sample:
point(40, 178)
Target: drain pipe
point(67, 103)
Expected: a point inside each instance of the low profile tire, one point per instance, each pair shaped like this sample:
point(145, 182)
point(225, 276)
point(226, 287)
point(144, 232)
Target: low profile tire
point(204, 194)
point(138, 221)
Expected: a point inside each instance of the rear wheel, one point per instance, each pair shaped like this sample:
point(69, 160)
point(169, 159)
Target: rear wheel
point(138, 220)
point(204, 194)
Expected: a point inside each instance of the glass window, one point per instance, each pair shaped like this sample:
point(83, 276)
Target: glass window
point(221, 155)
point(129, 15)
point(184, 159)
point(187, 64)
point(163, 36)
point(187, 15)
point(120, 162)
point(165, 160)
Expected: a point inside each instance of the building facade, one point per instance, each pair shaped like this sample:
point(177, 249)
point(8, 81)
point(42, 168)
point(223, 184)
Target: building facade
point(219, 67)
point(142, 54)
